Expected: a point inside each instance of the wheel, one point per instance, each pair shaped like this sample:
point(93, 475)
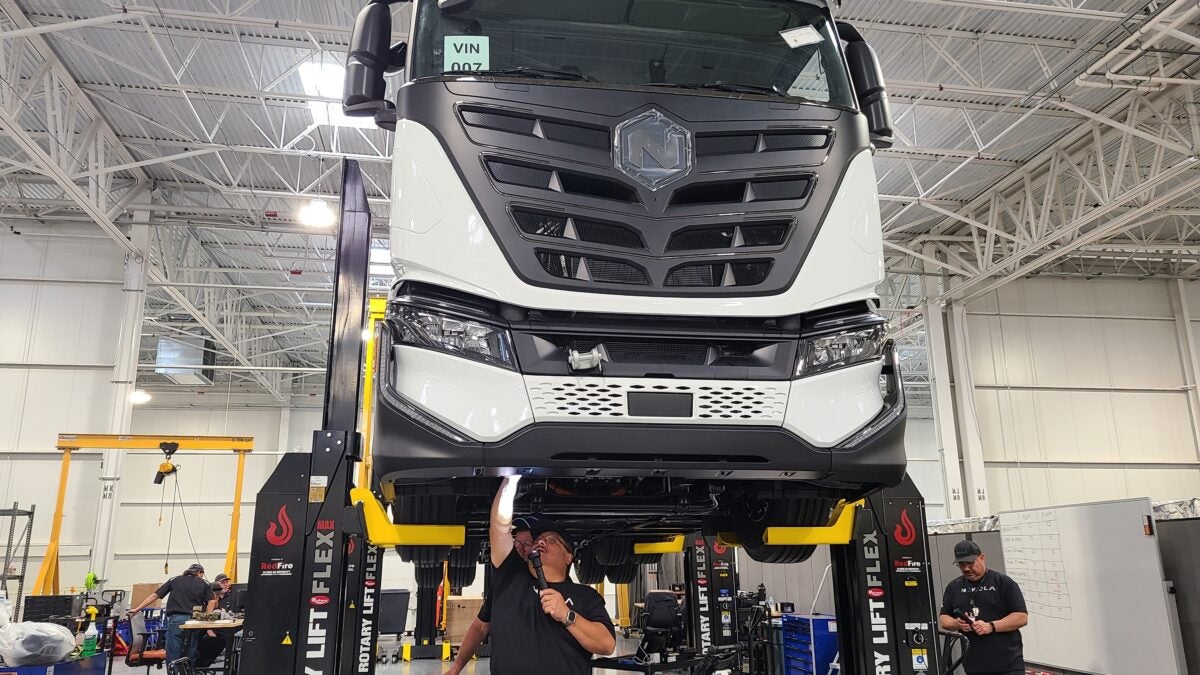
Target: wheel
point(425, 510)
point(751, 520)
point(622, 574)
point(587, 569)
point(467, 555)
point(613, 551)
point(429, 577)
point(647, 558)
point(461, 577)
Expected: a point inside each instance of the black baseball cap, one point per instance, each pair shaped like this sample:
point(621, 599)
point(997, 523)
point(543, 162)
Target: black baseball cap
point(966, 551)
point(195, 568)
point(221, 577)
point(545, 525)
point(529, 523)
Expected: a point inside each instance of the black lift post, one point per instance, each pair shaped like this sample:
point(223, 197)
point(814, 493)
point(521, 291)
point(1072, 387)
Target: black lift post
point(313, 585)
point(882, 584)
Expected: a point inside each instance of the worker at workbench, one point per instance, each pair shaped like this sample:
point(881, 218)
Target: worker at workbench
point(553, 630)
point(184, 594)
point(225, 596)
point(477, 632)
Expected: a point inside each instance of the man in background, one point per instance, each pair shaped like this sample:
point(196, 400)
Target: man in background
point(988, 608)
point(185, 594)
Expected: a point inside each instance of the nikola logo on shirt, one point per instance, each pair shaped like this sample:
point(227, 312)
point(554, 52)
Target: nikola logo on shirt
point(979, 589)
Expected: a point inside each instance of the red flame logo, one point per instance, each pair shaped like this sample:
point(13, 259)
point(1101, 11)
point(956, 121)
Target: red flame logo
point(905, 533)
point(280, 533)
point(350, 547)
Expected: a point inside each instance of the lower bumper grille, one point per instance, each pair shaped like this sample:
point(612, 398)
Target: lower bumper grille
point(605, 399)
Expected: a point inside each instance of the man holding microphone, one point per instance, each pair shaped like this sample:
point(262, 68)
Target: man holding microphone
point(541, 621)
point(988, 608)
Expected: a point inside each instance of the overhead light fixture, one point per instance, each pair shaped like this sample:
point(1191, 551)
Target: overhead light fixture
point(139, 397)
point(381, 271)
point(317, 213)
point(325, 80)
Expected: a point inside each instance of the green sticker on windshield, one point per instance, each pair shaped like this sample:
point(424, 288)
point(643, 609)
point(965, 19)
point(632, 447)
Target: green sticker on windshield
point(466, 52)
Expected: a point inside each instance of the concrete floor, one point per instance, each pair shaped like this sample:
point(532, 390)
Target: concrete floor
point(477, 667)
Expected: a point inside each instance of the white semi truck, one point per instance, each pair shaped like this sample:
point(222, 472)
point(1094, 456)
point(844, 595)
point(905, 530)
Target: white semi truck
point(637, 244)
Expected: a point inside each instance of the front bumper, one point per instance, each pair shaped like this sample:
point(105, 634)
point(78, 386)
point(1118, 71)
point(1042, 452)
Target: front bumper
point(407, 450)
point(440, 416)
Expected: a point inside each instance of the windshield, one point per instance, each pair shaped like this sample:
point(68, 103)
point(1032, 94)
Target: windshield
point(768, 47)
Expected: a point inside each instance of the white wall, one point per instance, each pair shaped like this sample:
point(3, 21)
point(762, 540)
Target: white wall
point(1080, 391)
point(57, 348)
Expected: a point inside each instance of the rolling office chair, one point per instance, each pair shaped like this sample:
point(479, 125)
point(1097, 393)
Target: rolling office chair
point(144, 651)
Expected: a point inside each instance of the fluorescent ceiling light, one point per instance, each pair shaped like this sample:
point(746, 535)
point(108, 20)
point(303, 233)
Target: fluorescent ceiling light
point(317, 213)
point(139, 396)
point(382, 271)
point(381, 256)
point(325, 80)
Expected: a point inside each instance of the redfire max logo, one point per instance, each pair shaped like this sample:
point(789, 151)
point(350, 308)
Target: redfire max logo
point(280, 531)
point(905, 533)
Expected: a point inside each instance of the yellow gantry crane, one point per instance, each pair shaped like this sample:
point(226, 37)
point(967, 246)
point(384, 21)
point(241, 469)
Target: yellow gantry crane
point(47, 580)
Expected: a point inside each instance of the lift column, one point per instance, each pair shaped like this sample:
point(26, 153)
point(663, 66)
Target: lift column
point(312, 589)
point(887, 623)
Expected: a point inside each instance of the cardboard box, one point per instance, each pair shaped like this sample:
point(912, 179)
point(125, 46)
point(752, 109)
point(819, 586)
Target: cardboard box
point(460, 612)
point(141, 592)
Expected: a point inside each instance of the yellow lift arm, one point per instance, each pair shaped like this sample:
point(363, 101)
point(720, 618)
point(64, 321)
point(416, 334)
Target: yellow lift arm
point(47, 580)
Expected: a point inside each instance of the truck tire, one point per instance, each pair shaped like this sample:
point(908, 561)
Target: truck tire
point(752, 520)
point(647, 558)
point(622, 574)
point(425, 510)
point(613, 551)
point(461, 577)
point(587, 569)
point(466, 555)
point(429, 577)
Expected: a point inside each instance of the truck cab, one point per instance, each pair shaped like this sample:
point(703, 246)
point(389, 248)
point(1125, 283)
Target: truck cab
point(637, 244)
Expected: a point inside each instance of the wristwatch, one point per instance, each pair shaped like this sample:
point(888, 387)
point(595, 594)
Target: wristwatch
point(570, 618)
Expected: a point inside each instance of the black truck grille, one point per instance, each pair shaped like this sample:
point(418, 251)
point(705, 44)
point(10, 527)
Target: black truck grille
point(540, 168)
point(588, 268)
point(729, 236)
point(716, 275)
point(557, 226)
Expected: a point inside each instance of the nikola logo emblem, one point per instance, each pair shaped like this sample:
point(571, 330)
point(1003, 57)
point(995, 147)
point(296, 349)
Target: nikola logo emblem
point(905, 533)
point(653, 149)
point(279, 533)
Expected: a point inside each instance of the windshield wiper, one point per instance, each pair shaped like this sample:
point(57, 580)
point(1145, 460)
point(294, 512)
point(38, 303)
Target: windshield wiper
point(720, 86)
point(526, 71)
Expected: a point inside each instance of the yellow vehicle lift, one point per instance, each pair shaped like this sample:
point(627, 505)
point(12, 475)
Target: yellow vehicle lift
point(47, 580)
point(839, 531)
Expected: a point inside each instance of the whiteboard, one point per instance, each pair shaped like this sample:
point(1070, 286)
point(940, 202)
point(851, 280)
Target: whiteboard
point(1093, 585)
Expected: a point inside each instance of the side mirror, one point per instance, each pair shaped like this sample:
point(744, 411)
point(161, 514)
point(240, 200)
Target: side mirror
point(365, 93)
point(868, 85)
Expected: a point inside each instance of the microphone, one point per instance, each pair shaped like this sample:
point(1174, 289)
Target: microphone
point(535, 558)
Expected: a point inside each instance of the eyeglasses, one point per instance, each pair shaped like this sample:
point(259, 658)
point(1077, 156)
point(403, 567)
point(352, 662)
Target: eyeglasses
point(552, 539)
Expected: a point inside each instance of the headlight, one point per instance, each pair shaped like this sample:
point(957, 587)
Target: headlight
point(461, 337)
point(892, 388)
point(830, 352)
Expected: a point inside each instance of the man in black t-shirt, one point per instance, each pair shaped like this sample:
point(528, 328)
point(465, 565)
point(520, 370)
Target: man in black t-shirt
point(477, 632)
point(555, 630)
point(184, 593)
point(989, 609)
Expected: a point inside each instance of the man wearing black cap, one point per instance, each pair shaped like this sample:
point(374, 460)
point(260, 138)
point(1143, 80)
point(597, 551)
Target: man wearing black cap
point(225, 597)
point(553, 630)
point(477, 632)
point(184, 593)
point(988, 607)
